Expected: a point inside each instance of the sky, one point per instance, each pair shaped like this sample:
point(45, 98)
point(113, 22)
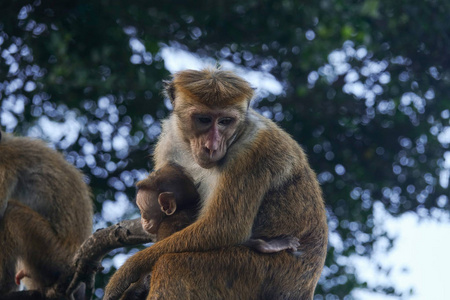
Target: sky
point(420, 258)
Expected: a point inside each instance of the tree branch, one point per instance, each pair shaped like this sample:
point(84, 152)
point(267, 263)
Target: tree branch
point(87, 260)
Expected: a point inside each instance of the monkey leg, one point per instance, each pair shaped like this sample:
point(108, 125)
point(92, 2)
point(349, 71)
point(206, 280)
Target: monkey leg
point(232, 273)
point(20, 275)
point(34, 243)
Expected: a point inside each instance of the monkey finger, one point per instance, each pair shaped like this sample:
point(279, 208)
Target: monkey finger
point(294, 243)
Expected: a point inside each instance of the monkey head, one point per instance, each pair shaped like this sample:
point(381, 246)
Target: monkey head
point(210, 107)
point(161, 193)
point(154, 207)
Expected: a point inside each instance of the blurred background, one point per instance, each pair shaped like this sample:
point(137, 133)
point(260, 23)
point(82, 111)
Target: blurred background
point(363, 86)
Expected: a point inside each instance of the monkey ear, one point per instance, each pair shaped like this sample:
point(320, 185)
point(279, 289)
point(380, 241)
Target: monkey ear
point(167, 202)
point(249, 101)
point(169, 90)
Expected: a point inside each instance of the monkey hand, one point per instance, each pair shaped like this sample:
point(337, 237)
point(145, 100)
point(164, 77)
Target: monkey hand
point(274, 245)
point(293, 243)
point(121, 280)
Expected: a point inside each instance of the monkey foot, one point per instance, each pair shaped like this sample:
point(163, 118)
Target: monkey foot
point(20, 275)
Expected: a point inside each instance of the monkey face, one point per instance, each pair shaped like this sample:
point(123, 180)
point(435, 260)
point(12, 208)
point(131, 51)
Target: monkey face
point(210, 106)
point(212, 132)
point(151, 214)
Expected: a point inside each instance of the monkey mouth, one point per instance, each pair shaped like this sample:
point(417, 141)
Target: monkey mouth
point(206, 162)
point(208, 159)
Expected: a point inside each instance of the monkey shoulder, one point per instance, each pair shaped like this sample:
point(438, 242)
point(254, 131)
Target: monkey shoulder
point(37, 165)
point(264, 144)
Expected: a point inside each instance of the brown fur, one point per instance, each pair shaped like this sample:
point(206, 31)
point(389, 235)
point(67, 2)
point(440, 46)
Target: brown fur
point(211, 87)
point(45, 213)
point(262, 187)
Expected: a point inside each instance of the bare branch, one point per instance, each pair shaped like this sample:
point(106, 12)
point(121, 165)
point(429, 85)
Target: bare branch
point(87, 260)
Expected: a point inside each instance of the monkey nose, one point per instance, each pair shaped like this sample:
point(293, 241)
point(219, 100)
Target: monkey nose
point(209, 151)
point(211, 146)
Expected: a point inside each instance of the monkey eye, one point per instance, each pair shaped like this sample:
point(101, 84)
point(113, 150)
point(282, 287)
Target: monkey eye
point(204, 120)
point(226, 121)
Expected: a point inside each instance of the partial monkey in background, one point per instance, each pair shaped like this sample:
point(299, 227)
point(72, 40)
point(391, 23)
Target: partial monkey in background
point(46, 213)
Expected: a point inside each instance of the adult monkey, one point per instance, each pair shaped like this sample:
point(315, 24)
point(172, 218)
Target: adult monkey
point(45, 214)
point(253, 180)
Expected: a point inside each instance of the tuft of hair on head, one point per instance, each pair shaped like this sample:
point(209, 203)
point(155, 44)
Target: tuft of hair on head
point(210, 86)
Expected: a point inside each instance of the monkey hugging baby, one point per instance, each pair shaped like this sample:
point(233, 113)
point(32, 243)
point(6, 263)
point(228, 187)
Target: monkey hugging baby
point(231, 192)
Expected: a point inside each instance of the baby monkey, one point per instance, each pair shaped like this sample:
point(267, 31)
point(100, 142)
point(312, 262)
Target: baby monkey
point(169, 201)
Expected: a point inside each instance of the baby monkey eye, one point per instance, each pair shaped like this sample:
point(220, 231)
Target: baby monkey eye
point(226, 121)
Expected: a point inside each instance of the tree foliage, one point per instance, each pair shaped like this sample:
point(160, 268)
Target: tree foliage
point(365, 92)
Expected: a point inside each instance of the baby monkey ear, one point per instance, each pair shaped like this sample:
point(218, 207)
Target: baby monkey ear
point(167, 202)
